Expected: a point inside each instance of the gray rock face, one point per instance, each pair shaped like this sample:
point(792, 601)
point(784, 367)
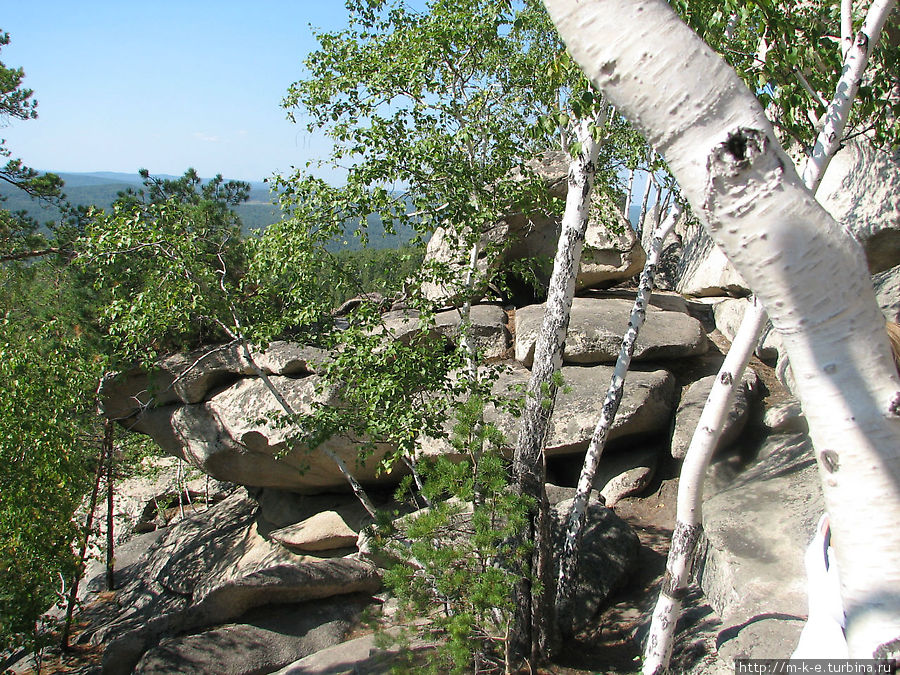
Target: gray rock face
point(190, 377)
point(786, 418)
point(757, 526)
point(211, 568)
point(488, 327)
point(447, 253)
point(693, 402)
point(887, 293)
point(596, 327)
point(238, 435)
point(625, 474)
point(704, 269)
point(861, 190)
point(607, 557)
point(263, 640)
point(646, 408)
point(611, 251)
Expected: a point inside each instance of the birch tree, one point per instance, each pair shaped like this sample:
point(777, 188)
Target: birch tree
point(725, 155)
point(568, 557)
point(533, 608)
point(688, 526)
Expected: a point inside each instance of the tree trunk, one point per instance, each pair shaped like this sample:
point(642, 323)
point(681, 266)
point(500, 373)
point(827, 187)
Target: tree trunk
point(810, 275)
point(530, 637)
point(629, 197)
point(689, 525)
point(689, 518)
point(568, 559)
point(642, 214)
point(110, 498)
point(82, 553)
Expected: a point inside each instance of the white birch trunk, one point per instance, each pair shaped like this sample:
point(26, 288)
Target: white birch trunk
point(629, 197)
point(568, 558)
point(689, 516)
point(528, 463)
point(846, 27)
point(855, 62)
point(645, 198)
point(809, 274)
point(688, 528)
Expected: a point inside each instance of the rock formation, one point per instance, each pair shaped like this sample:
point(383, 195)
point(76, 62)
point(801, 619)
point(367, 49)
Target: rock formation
point(290, 535)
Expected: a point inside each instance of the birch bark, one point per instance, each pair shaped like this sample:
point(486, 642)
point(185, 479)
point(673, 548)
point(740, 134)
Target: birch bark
point(688, 527)
point(856, 60)
point(532, 618)
point(809, 274)
point(689, 519)
point(569, 556)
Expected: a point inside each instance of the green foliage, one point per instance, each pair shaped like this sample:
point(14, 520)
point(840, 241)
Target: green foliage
point(790, 55)
point(460, 553)
point(18, 232)
point(422, 100)
point(46, 458)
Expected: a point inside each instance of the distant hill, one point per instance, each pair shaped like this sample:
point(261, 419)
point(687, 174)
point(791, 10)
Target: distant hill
point(101, 188)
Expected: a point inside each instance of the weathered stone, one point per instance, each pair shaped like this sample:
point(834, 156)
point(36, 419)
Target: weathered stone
point(596, 327)
point(488, 329)
point(608, 553)
point(887, 293)
point(694, 400)
point(646, 408)
point(786, 418)
point(190, 377)
point(210, 568)
point(290, 358)
point(405, 326)
point(861, 190)
point(237, 435)
point(360, 656)
point(625, 474)
point(282, 508)
point(704, 269)
point(324, 531)
point(611, 251)
point(447, 253)
point(757, 525)
point(262, 641)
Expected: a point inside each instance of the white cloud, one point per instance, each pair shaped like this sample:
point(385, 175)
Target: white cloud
point(206, 138)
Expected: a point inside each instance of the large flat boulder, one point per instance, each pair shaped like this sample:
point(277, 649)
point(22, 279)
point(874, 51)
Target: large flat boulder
point(646, 408)
point(191, 376)
point(596, 327)
point(240, 435)
point(757, 524)
point(259, 642)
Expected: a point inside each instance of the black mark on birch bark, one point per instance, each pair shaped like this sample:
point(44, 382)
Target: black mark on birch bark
point(830, 460)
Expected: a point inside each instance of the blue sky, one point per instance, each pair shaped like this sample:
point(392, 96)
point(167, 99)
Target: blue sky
point(164, 84)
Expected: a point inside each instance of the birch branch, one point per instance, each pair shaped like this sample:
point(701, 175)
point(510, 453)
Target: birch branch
point(855, 63)
point(689, 519)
